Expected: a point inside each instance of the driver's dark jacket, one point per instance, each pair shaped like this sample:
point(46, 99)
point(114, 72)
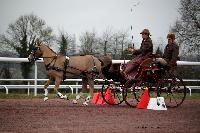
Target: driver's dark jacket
point(171, 53)
point(146, 47)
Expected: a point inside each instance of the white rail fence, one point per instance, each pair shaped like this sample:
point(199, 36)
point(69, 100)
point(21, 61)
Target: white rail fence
point(29, 86)
point(77, 86)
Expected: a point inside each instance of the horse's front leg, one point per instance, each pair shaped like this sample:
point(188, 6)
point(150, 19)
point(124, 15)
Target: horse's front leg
point(91, 86)
point(57, 84)
point(46, 90)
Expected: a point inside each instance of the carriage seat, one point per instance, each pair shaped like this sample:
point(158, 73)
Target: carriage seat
point(148, 64)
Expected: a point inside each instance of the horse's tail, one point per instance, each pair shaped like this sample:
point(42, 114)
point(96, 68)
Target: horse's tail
point(106, 62)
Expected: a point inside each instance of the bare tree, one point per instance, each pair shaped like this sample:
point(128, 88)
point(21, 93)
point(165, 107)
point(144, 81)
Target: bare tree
point(72, 49)
point(108, 42)
point(122, 42)
point(105, 41)
point(88, 42)
point(187, 29)
point(113, 42)
point(21, 37)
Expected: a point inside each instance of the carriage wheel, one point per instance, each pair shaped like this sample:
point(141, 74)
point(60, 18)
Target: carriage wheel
point(131, 94)
point(112, 93)
point(134, 94)
point(172, 89)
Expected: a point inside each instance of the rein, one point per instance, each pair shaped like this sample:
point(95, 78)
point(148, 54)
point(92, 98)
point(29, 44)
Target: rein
point(66, 65)
point(48, 67)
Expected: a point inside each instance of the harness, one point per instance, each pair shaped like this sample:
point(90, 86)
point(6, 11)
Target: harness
point(48, 67)
point(51, 65)
point(66, 63)
point(93, 71)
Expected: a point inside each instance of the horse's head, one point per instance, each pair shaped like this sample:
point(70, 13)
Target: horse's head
point(36, 52)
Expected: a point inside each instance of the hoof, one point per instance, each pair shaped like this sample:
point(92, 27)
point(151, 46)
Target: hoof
point(78, 97)
point(46, 98)
point(85, 104)
point(64, 97)
point(88, 98)
point(74, 101)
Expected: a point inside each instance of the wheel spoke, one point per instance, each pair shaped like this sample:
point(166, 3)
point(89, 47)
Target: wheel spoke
point(115, 92)
point(173, 93)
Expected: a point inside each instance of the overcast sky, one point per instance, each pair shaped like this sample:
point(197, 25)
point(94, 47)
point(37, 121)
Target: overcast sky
point(77, 16)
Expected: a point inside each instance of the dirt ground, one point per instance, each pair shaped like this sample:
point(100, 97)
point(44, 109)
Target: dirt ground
point(57, 116)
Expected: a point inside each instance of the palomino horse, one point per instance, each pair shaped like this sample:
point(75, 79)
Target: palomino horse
point(59, 67)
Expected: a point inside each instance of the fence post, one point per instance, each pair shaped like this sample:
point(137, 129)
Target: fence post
point(35, 83)
point(28, 88)
point(76, 87)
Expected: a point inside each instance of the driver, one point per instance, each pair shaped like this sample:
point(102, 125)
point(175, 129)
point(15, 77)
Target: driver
point(171, 53)
point(141, 54)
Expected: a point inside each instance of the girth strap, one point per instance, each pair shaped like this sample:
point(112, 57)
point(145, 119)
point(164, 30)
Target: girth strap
point(48, 65)
point(64, 70)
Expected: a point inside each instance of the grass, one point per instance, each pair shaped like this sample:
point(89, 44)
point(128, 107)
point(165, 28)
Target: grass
point(193, 96)
point(31, 96)
point(71, 96)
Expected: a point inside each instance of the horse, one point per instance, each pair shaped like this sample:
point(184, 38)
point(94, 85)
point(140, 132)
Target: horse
point(60, 67)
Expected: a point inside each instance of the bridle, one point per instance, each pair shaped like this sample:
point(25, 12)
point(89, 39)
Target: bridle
point(38, 58)
point(34, 53)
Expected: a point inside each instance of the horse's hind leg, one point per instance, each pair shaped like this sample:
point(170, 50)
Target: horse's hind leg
point(84, 84)
point(46, 90)
point(57, 84)
point(84, 89)
point(91, 86)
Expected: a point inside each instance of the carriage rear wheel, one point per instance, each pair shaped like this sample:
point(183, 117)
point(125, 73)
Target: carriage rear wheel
point(112, 93)
point(173, 90)
point(169, 86)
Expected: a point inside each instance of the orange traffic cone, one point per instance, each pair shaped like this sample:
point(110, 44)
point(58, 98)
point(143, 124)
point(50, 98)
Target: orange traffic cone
point(143, 103)
point(109, 97)
point(96, 98)
point(101, 101)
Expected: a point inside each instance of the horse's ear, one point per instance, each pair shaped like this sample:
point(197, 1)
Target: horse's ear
point(37, 42)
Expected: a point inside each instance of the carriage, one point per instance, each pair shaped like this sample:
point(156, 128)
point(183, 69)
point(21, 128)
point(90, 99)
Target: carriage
point(159, 80)
point(151, 74)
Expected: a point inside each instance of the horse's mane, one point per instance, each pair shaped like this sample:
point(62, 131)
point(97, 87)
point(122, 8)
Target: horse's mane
point(48, 47)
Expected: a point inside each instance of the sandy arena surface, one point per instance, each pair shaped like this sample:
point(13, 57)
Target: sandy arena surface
point(61, 116)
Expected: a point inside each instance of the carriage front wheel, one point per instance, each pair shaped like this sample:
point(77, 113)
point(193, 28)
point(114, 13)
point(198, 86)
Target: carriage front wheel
point(112, 93)
point(134, 94)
